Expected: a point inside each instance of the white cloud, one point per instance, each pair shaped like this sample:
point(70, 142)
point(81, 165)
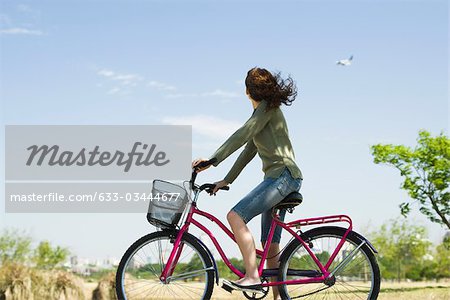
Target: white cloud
point(18, 31)
point(24, 8)
point(131, 80)
point(106, 73)
point(161, 86)
point(124, 79)
point(29, 18)
point(216, 93)
point(221, 93)
point(30, 12)
point(181, 95)
point(208, 126)
point(113, 91)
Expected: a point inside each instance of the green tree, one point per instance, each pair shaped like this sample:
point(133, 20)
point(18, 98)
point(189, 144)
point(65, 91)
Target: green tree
point(426, 173)
point(225, 272)
point(195, 264)
point(48, 257)
point(15, 246)
point(442, 259)
point(402, 249)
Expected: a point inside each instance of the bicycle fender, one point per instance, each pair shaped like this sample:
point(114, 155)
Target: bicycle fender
point(216, 270)
point(368, 243)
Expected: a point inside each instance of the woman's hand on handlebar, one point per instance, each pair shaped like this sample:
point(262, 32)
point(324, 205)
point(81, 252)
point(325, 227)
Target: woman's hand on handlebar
point(219, 184)
point(197, 161)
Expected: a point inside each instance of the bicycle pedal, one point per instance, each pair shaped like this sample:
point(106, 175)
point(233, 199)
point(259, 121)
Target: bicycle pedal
point(227, 288)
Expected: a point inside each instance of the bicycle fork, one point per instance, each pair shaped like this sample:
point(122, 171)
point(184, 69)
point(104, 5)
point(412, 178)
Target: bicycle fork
point(172, 261)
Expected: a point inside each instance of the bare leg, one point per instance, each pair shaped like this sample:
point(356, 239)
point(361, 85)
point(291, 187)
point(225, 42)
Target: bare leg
point(246, 244)
point(272, 263)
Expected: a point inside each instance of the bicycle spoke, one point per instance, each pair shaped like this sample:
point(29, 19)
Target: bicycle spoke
point(188, 274)
point(188, 278)
point(153, 270)
point(187, 287)
point(349, 290)
point(142, 292)
point(339, 295)
point(173, 293)
point(353, 272)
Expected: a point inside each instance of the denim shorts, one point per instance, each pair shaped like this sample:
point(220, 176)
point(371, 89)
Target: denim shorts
point(263, 197)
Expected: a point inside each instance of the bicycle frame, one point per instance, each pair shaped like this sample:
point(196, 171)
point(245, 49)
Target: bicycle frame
point(175, 253)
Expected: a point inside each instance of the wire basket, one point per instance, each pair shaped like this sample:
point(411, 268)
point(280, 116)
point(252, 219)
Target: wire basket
point(167, 204)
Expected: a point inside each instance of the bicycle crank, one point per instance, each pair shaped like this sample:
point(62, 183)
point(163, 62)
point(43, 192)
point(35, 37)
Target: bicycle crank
point(256, 296)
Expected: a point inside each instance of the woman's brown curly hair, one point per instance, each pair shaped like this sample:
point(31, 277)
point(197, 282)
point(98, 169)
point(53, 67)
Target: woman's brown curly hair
point(263, 85)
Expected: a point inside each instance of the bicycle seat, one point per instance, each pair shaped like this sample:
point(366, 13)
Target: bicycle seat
point(290, 201)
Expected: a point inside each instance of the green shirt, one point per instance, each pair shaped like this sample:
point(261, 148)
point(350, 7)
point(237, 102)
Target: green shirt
point(265, 133)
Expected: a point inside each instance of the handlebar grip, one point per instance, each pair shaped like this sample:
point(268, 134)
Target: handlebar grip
point(203, 164)
point(206, 163)
point(210, 186)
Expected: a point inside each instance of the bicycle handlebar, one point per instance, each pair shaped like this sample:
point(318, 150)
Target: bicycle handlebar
point(207, 186)
point(205, 163)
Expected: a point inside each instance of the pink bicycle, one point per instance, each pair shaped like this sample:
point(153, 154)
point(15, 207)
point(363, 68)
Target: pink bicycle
point(325, 262)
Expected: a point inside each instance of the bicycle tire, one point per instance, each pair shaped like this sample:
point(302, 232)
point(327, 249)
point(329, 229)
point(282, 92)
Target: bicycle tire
point(169, 236)
point(341, 291)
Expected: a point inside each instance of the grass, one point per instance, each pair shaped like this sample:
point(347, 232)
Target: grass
point(389, 291)
point(411, 289)
point(19, 282)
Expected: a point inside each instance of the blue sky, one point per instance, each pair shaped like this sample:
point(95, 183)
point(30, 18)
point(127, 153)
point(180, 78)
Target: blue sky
point(172, 62)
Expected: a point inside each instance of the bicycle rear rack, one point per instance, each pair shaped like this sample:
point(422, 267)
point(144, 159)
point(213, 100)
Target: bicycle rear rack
point(320, 220)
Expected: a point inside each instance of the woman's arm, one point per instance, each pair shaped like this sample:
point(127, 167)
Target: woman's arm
point(244, 158)
point(255, 124)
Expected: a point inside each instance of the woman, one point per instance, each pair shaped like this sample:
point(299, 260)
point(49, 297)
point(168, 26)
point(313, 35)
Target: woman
point(265, 133)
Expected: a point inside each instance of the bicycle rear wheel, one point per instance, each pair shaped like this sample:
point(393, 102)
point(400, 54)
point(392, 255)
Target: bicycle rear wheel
point(139, 270)
point(357, 275)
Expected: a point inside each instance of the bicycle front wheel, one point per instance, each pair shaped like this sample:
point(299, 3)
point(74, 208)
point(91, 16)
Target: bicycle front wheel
point(356, 274)
point(138, 274)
